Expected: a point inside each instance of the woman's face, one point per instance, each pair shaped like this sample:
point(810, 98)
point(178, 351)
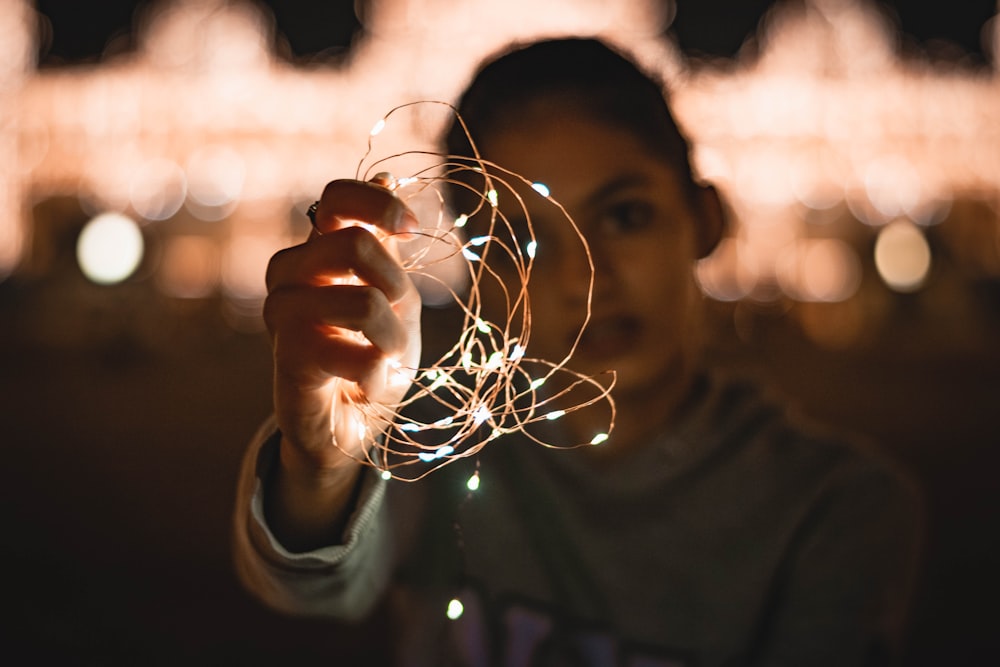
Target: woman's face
point(640, 227)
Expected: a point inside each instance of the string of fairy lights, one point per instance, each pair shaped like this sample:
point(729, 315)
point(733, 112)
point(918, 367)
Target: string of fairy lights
point(486, 385)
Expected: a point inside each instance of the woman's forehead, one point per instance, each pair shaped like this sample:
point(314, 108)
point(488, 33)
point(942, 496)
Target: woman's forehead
point(576, 157)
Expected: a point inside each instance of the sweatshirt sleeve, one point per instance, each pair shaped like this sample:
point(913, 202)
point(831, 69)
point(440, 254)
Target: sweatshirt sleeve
point(342, 581)
point(848, 581)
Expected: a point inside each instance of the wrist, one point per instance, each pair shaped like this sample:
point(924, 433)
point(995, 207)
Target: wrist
point(318, 468)
point(307, 504)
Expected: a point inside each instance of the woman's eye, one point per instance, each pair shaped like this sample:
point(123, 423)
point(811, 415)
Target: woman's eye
point(626, 217)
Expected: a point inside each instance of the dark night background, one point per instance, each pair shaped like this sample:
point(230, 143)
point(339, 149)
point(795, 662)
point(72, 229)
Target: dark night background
point(121, 446)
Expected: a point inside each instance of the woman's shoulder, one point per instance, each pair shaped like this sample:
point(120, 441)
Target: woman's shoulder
point(766, 433)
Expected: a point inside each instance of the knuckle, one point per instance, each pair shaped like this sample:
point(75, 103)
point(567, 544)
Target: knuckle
point(371, 302)
point(330, 189)
point(274, 268)
point(362, 243)
point(337, 190)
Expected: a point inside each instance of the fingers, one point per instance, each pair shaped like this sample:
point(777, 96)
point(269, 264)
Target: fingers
point(311, 358)
point(348, 201)
point(342, 313)
point(347, 252)
point(312, 317)
point(360, 308)
point(309, 373)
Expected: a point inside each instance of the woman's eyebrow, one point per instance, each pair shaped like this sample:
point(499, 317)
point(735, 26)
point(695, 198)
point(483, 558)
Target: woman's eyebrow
point(614, 186)
point(519, 222)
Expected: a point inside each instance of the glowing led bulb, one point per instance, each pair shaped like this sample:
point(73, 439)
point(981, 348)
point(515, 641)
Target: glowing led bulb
point(494, 362)
point(397, 376)
point(599, 438)
point(481, 414)
point(488, 355)
point(440, 381)
point(438, 453)
point(455, 609)
point(473, 483)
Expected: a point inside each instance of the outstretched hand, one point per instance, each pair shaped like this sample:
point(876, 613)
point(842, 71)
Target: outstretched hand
point(344, 321)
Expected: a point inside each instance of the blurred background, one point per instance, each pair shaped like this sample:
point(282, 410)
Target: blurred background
point(154, 154)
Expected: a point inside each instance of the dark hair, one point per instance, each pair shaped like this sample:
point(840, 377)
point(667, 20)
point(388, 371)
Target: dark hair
point(582, 74)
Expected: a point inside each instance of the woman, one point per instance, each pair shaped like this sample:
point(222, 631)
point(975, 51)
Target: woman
point(707, 530)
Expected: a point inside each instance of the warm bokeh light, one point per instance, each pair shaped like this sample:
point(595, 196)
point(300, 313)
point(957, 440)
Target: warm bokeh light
point(157, 189)
point(893, 186)
point(110, 248)
point(819, 270)
point(830, 131)
point(17, 53)
point(243, 264)
point(726, 275)
point(216, 175)
point(190, 267)
point(818, 141)
point(902, 256)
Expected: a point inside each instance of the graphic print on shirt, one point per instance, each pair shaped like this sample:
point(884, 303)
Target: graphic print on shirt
point(519, 633)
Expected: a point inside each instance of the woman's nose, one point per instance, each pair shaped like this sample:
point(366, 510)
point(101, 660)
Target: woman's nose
point(576, 267)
